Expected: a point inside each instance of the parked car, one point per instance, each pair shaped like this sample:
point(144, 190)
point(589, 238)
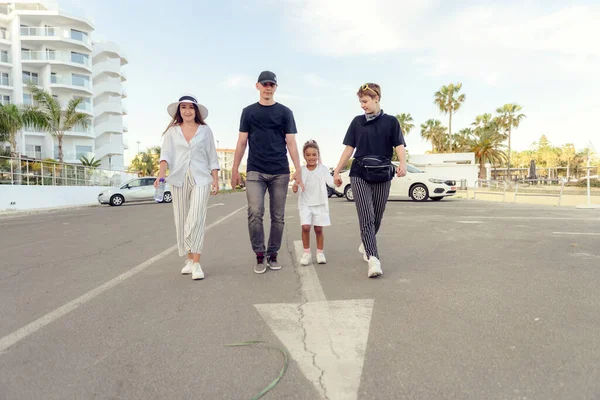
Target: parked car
point(417, 185)
point(138, 189)
point(332, 191)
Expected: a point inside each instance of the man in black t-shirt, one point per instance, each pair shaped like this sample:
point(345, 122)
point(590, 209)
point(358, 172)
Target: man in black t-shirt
point(269, 129)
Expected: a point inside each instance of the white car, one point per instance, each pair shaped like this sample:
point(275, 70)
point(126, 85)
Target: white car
point(138, 189)
point(417, 185)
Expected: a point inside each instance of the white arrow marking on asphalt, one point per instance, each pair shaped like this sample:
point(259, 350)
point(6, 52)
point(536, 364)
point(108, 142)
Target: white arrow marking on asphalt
point(215, 205)
point(328, 339)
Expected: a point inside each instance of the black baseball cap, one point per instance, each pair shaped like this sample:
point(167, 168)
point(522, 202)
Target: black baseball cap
point(267, 76)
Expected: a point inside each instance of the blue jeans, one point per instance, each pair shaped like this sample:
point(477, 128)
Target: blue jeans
point(257, 185)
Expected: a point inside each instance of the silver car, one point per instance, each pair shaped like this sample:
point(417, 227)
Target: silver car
point(139, 189)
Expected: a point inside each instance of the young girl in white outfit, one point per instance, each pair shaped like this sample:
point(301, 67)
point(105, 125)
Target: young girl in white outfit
point(313, 202)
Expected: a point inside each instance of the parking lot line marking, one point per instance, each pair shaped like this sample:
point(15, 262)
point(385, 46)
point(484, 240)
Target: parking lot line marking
point(20, 334)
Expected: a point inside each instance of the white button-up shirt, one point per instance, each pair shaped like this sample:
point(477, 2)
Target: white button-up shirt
point(199, 155)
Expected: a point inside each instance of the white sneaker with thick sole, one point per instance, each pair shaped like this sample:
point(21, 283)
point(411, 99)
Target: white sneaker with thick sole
point(188, 267)
point(197, 272)
point(374, 267)
point(362, 251)
point(321, 258)
point(305, 259)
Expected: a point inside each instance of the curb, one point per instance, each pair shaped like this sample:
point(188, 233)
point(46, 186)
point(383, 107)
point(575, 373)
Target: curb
point(34, 211)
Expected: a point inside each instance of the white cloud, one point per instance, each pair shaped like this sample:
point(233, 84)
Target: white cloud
point(493, 43)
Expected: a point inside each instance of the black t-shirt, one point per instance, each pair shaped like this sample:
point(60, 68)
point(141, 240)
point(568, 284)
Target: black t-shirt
point(377, 137)
point(267, 127)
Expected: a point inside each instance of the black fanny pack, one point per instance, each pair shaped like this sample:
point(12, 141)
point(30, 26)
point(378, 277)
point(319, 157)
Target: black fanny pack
point(376, 168)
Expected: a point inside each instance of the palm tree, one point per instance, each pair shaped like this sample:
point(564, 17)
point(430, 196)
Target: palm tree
point(448, 103)
point(461, 139)
point(482, 120)
point(433, 131)
point(405, 120)
point(146, 163)
point(487, 145)
point(59, 120)
point(508, 119)
point(12, 120)
point(92, 163)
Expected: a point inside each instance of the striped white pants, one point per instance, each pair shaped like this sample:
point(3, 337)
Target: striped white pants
point(370, 199)
point(190, 203)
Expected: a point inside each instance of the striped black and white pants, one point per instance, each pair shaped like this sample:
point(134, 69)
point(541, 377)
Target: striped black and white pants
point(190, 203)
point(370, 199)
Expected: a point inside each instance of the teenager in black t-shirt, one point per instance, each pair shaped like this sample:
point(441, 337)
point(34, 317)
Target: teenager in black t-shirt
point(372, 137)
point(269, 129)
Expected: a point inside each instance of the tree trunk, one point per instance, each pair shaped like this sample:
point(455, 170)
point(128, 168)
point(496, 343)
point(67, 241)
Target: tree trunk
point(60, 148)
point(450, 131)
point(568, 170)
point(15, 153)
point(481, 169)
point(508, 166)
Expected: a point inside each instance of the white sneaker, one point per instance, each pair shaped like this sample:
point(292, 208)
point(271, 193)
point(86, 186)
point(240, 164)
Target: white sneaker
point(188, 267)
point(197, 272)
point(361, 249)
point(321, 258)
point(305, 259)
point(374, 268)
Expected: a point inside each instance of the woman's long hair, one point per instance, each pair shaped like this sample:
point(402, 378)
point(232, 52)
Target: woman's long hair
point(178, 119)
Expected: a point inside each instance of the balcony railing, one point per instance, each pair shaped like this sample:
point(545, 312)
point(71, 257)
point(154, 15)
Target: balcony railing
point(39, 31)
point(81, 37)
point(28, 172)
point(84, 107)
point(35, 81)
point(27, 55)
point(81, 129)
point(70, 81)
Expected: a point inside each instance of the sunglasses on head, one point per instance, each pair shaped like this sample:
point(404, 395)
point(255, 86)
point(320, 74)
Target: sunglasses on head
point(366, 87)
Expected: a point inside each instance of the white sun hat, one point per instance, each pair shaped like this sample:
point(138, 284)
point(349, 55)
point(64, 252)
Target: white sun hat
point(187, 98)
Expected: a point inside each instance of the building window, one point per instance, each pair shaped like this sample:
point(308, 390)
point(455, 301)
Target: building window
point(4, 56)
point(4, 79)
point(79, 58)
point(79, 35)
point(53, 78)
point(31, 77)
point(33, 151)
point(80, 80)
point(27, 99)
point(85, 105)
point(5, 99)
point(82, 151)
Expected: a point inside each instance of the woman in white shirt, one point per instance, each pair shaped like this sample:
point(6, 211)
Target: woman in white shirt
point(188, 150)
point(313, 202)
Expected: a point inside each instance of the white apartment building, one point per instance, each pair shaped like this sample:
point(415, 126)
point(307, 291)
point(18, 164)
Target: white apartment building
point(53, 50)
point(108, 77)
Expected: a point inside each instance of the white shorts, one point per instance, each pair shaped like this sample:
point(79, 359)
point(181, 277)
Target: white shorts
point(314, 215)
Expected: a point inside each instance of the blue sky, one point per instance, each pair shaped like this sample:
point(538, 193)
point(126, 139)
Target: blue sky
point(540, 54)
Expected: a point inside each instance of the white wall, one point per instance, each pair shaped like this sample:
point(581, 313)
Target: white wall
point(23, 197)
